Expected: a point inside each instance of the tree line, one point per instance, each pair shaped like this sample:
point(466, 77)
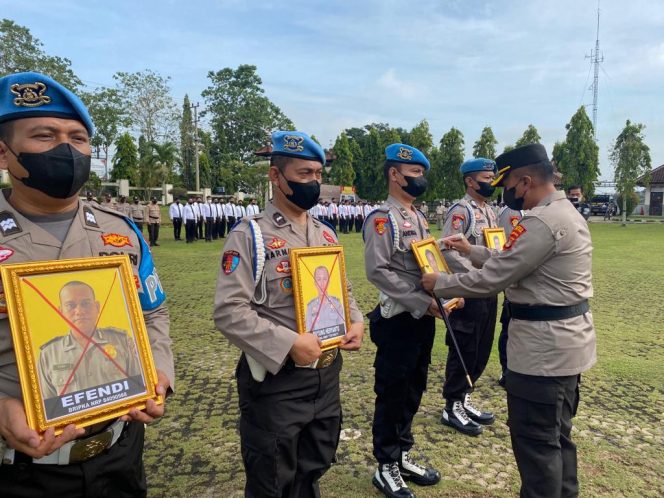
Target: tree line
point(155, 140)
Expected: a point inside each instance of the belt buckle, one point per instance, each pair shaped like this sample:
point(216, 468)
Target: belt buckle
point(85, 449)
point(327, 357)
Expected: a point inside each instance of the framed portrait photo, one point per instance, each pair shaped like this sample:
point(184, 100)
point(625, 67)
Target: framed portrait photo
point(431, 260)
point(82, 349)
point(494, 238)
point(320, 293)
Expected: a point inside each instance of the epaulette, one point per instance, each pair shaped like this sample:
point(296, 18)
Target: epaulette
point(471, 216)
point(55, 339)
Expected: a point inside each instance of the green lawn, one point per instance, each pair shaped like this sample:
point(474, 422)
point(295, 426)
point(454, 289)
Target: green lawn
point(194, 450)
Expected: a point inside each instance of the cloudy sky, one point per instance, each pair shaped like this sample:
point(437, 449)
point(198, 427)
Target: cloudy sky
point(333, 64)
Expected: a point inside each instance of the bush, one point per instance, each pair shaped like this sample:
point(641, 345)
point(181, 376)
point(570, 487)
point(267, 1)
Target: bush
point(632, 202)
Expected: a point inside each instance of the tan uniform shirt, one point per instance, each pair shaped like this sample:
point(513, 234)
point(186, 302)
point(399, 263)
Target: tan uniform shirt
point(547, 261)
point(154, 214)
point(266, 331)
point(396, 272)
point(29, 242)
point(138, 212)
point(508, 219)
point(460, 220)
point(59, 358)
point(124, 208)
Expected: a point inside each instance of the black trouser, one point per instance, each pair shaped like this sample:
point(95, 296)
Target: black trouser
point(540, 412)
point(403, 354)
point(222, 227)
point(139, 224)
point(359, 220)
point(208, 229)
point(502, 338)
point(216, 223)
point(153, 233)
point(199, 228)
point(342, 225)
point(231, 222)
point(190, 230)
point(474, 326)
point(117, 472)
point(334, 220)
point(177, 228)
point(289, 428)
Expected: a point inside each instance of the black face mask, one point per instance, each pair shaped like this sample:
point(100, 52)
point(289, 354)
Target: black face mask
point(485, 190)
point(416, 185)
point(59, 172)
point(510, 199)
point(305, 195)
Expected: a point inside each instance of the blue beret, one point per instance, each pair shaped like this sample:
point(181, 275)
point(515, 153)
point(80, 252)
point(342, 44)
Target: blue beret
point(30, 95)
point(298, 145)
point(520, 157)
point(479, 164)
point(402, 153)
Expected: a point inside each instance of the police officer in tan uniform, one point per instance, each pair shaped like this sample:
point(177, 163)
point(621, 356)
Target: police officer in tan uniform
point(507, 220)
point(154, 221)
point(123, 206)
point(138, 213)
point(44, 145)
point(402, 325)
point(474, 324)
point(290, 411)
point(60, 370)
point(545, 269)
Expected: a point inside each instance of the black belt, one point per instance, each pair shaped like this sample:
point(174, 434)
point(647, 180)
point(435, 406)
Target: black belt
point(547, 313)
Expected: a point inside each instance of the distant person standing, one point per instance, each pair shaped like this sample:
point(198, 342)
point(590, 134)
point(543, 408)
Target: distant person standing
point(89, 198)
point(138, 213)
point(175, 214)
point(108, 202)
point(124, 207)
point(440, 215)
point(206, 212)
point(252, 208)
point(231, 215)
point(217, 213)
point(575, 196)
point(200, 220)
point(334, 213)
point(154, 221)
point(189, 217)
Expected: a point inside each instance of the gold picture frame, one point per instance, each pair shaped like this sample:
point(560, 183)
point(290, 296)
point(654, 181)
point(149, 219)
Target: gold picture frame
point(431, 260)
point(495, 238)
point(82, 349)
point(319, 290)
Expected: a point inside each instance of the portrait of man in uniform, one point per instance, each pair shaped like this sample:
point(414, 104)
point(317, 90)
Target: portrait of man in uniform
point(87, 357)
point(495, 238)
point(431, 259)
point(325, 311)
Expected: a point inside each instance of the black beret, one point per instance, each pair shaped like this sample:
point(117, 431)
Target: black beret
point(520, 157)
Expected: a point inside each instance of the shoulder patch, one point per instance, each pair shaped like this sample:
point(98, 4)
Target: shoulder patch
point(230, 261)
point(279, 219)
point(518, 231)
point(379, 225)
point(8, 224)
point(457, 220)
point(514, 220)
point(328, 237)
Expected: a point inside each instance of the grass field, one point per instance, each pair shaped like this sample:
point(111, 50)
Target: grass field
point(194, 451)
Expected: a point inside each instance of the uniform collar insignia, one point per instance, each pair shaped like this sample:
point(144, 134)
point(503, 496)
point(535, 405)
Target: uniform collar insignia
point(8, 224)
point(30, 94)
point(90, 219)
point(279, 219)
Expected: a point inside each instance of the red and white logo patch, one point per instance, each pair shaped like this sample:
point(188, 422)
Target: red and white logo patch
point(276, 243)
point(5, 253)
point(328, 237)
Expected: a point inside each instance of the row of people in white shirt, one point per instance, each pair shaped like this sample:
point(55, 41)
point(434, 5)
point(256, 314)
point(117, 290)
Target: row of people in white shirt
point(196, 209)
point(329, 210)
